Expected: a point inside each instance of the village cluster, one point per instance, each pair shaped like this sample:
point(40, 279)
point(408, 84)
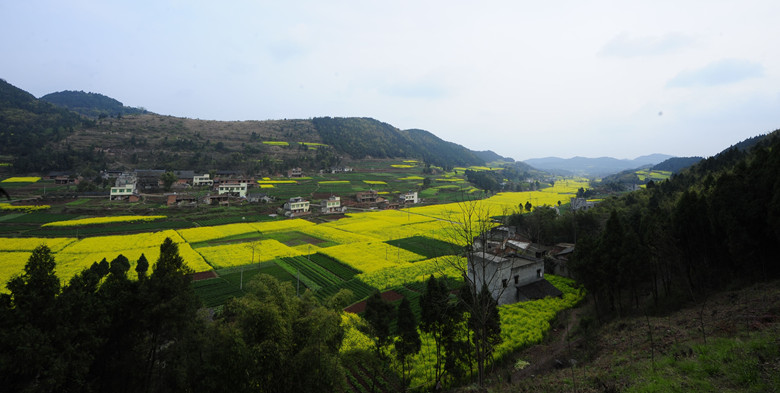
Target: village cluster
point(227, 187)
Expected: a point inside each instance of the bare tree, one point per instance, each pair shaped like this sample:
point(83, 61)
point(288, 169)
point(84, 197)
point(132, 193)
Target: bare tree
point(485, 278)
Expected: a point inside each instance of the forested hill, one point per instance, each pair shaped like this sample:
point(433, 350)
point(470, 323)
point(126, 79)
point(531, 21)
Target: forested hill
point(27, 123)
point(440, 152)
point(38, 136)
point(676, 164)
point(366, 137)
point(92, 105)
point(711, 226)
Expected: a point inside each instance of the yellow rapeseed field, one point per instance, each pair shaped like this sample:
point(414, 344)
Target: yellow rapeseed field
point(418, 271)
point(22, 179)
point(101, 220)
point(372, 256)
point(241, 253)
point(29, 243)
point(118, 243)
point(69, 264)
point(24, 208)
point(201, 234)
point(277, 182)
point(11, 264)
point(333, 234)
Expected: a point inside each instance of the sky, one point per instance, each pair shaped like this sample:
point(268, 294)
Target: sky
point(524, 79)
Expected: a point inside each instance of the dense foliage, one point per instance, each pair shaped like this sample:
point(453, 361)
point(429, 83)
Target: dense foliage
point(101, 331)
point(708, 227)
point(676, 164)
point(365, 137)
point(92, 105)
point(27, 124)
point(105, 332)
point(441, 153)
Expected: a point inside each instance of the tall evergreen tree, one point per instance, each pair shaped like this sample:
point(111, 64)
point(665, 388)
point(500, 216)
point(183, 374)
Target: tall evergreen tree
point(379, 315)
point(408, 342)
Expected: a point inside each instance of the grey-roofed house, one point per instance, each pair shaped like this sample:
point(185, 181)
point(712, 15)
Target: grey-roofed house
point(511, 277)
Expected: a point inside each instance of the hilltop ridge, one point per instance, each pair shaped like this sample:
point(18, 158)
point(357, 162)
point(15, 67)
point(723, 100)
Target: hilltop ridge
point(110, 135)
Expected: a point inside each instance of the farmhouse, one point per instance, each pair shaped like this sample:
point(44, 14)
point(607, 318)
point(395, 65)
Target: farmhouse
point(184, 177)
point(340, 169)
point(255, 196)
point(235, 189)
point(332, 205)
point(582, 204)
point(510, 277)
point(202, 180)
point(295, 172)
point(148, 179)
point(121, 193)
point(369, 196)
point(124, 187)
point(409, 197)
point(296, 206)
point(180, 200)
point(216, 199)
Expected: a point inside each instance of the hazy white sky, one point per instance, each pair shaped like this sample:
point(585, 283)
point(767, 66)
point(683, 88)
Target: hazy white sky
point(524, 79)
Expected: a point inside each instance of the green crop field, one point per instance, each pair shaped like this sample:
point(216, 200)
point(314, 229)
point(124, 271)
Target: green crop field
point(430, 248)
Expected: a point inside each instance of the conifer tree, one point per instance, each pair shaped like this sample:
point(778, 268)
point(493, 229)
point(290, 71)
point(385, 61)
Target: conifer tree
point(408, 342)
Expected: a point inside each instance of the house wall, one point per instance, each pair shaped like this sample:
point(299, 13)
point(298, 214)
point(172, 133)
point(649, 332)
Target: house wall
point(497, 269)
point(482, 268)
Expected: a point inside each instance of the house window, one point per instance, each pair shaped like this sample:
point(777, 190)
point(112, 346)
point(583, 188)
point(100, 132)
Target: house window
point(503, 282)
point(517, 279)
point(538, 273)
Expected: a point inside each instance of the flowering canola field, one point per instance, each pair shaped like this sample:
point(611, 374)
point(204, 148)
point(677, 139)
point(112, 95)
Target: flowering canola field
point(101, 220)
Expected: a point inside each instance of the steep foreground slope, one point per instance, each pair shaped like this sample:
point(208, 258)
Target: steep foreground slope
point(730, 342)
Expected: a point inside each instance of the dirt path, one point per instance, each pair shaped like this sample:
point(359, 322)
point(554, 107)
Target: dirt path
point(554, 352)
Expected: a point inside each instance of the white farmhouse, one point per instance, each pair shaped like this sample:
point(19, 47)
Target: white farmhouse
point(238, 189)
point(296, 206)
point(125, 187)
point(203, 180)
point(409, 197)
point(332, 205)
point(510, 278)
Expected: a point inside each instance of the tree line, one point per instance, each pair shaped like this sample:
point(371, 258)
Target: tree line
point(708, 227)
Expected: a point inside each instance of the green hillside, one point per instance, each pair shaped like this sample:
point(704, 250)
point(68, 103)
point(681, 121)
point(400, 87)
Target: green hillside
point(29, 127)
point(41, 136)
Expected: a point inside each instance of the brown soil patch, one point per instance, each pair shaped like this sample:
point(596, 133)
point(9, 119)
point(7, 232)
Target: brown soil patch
point(389, 296)
point(203, 275)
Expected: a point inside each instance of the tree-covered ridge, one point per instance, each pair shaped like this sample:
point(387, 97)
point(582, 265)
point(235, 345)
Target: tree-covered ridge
point(439, 152)
point(491, 156)
point(27, 124)
point(366, 137)
point(713, 225)
point(93, 105)
point(676, 164)
point(363, 137)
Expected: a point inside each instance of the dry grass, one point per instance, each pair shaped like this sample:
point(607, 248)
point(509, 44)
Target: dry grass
point(619, 355)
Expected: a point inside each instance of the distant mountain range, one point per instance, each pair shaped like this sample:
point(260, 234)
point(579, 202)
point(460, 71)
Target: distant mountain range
point(602, 166)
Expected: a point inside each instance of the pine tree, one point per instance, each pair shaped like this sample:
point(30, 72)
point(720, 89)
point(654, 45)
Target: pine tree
point(408, 342)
